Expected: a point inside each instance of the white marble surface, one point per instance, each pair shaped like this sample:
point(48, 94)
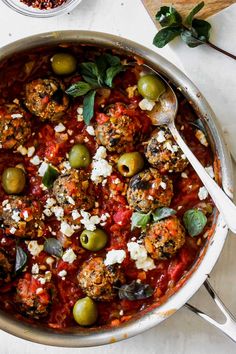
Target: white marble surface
point(183, 333)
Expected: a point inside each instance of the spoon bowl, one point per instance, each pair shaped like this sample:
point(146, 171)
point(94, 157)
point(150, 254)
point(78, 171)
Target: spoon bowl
point(164, 112)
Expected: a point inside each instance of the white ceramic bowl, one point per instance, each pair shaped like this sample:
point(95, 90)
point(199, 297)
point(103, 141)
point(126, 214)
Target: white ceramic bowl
point(26, 10)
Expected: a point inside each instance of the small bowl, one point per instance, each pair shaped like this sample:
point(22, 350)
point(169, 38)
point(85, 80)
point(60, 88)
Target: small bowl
point(26, 10)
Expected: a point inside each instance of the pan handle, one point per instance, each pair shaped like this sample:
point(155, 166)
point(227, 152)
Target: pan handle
point(229, 326)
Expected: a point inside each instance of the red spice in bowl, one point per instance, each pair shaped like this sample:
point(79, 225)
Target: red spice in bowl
point(43, 4)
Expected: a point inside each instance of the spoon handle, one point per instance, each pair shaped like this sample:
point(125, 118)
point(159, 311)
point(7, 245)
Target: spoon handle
point(221, 200)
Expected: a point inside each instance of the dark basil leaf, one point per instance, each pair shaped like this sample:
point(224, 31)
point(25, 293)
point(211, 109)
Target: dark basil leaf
point(135, 291)
point(78, 89)
point(89, 69)
point(93, 82)
point(168, 16)
point(88, 102)
point(49, 176)
point(165, 35)
point(190, 37)
point(53, 247)
point(112, 60)
point(140, 220)
point(193, 12)
point(111, 73)
point(194, 221)
point(21, 259)
point(202, 28)
point(162, 213)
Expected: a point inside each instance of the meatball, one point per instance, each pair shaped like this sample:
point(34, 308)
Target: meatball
point(164, 238)
point(97, 280)
point(120, 132)
point(21, 217)
point(15, 126)
point(163, 152)
point(73, 189)
point(149, 190)
point(31, 299)
point(6, 268)
point(46, 99)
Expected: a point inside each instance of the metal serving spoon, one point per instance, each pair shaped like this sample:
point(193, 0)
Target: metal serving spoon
point(164, 112)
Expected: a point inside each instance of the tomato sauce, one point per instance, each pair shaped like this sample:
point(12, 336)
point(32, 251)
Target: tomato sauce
point(53, 147)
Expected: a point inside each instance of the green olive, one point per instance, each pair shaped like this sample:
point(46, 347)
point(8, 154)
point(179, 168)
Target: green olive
point(93, 240)
point(151, 87)
point(130, 163)
point(13, 180)
point(85, 312)
point(79, 156)
point(63, 64)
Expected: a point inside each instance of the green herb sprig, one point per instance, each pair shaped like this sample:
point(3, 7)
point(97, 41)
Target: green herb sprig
point(97, 74)
point(141, 220)
point(193, 31)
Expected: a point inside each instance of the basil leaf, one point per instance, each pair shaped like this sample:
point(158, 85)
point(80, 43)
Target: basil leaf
point(165, 35)
point(53, 247)
point(89, 69)
point(202, 28)
point(112, 60)
point(162, 213)
point(88, 110)
point(193, 12)
point(190, 37)
point(78, 89)
point(21, 259)
point(49, 176)
point(168, 16)
point(135, 291)
point(140, 220)
point(194, 221)
point(111, 73)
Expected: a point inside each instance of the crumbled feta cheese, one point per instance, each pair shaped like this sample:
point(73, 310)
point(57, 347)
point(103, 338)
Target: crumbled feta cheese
point(139, 254)
point(168, 146)
point(114, 256)
point(50, 261)
point(210, 171)
point(101, 153)
point(22, 150)
point(201, 137)
point(163, 185)
point(42, 169)
point(35, 269)
point(34, 248)
point(69, 256)
point(15, 215)
point(12, 230)
point(146, 104)
point(35, 160)
point(25, 214)
point(80, 110)
point(70, 200)
point(39, 291)
point(59, 128)
point(47, 212)
point(160, 137)
point(183, 156)
point(184, 175)
point(42, 280)
point(116, 181)
point(100, 168)
point(50, 202)
point(62, 273)
point(5, 202)
point(58, 212)
point(89, 221)
point(90, 130)
point(75, 214)
point(66, 229)
point(202, 193)
point(121, 313)
point(31, 151)
point(16, 115)
point(175, 148)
